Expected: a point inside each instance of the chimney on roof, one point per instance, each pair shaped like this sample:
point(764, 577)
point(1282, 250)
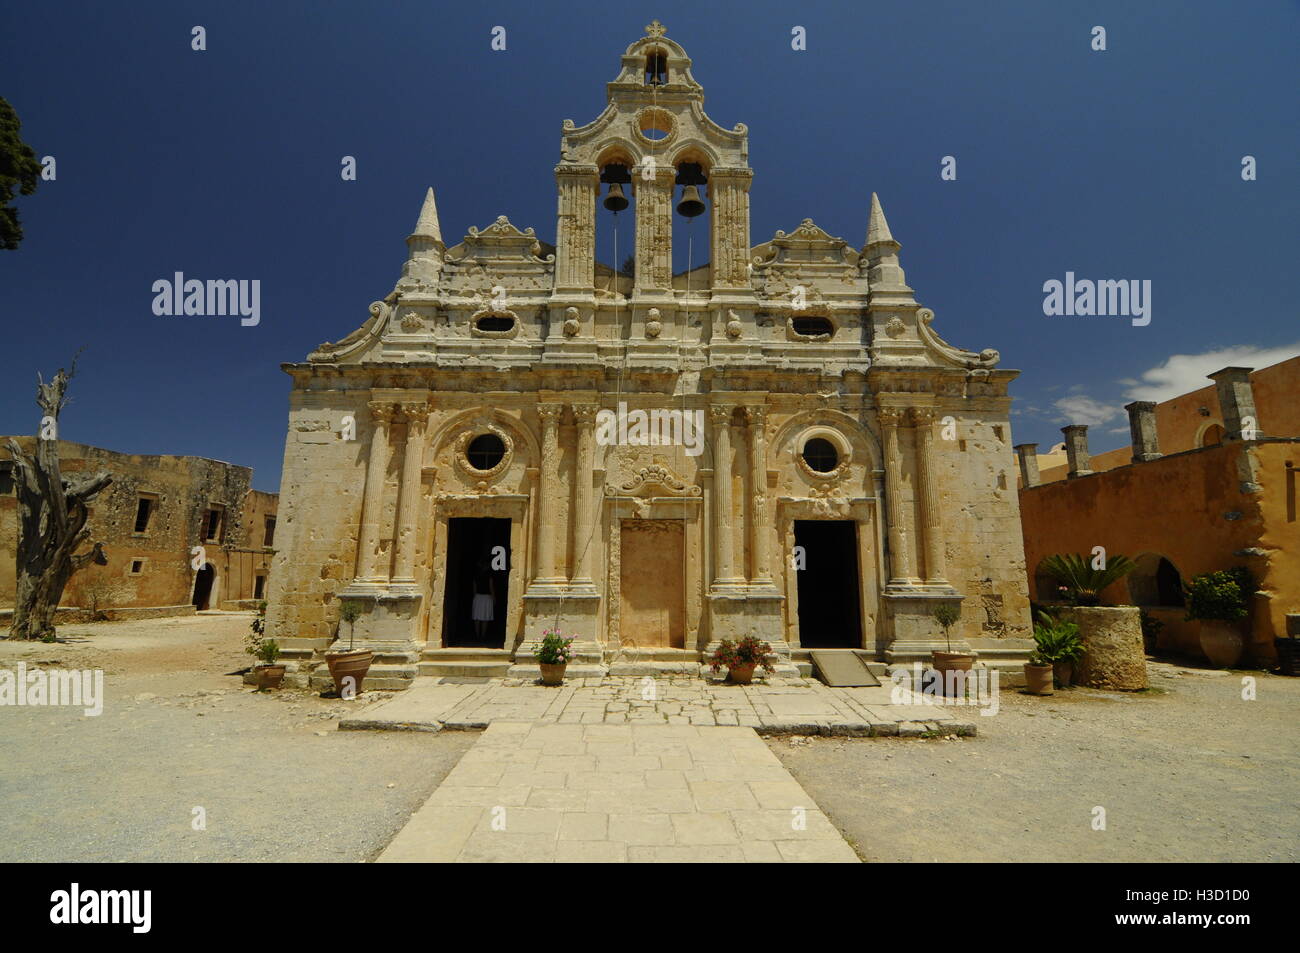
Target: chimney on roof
point(1076, 450)
point(1027, 454)
point(1237, 402)
point(1142, 429)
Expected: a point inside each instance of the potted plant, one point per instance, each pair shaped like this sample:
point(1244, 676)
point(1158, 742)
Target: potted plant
point(269, 674)
point(350, 664)
point(1038, 675)
point(1082, 583)
point(741, 658)
point(947, 615)
point(1059, 645)
point(1218, 600)
point(553, 655)
point(1288, 649)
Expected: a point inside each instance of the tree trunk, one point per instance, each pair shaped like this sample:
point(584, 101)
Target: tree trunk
point(52, 515)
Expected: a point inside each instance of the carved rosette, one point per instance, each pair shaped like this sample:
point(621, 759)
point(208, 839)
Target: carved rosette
point(571, 324)
point(653, 326)
point(461, 447)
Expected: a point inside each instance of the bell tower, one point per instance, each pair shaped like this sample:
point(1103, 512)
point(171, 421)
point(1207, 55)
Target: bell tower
point(653, 143)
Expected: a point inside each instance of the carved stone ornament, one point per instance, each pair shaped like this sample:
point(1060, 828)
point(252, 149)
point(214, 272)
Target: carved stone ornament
point(411, 322)
point(653, 326)
point(895, 327)
point(571, 325)
point(734, 327)
point(654, 480)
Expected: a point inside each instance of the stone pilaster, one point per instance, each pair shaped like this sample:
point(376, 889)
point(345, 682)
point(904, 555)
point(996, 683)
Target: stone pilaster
point(584, 543)
point(547, 571)
point(1142, 430)
point(576, 242)
point(1027, 455)
point(759, 530)
point(928, 486)
point(408, 500)
point(369, 566)
point(900, 560)
point(654, 229)
point(724, 546)
point(1076, 450)
point(729, 191)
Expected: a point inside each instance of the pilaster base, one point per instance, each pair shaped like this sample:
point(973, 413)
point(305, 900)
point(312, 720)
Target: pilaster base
point(913, 630)
point(389, 613)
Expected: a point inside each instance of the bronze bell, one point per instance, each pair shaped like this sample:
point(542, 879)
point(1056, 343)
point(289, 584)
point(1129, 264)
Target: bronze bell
point(690, 205)
point(615, 200)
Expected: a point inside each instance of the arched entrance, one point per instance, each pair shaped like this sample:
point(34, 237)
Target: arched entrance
point(203, 583)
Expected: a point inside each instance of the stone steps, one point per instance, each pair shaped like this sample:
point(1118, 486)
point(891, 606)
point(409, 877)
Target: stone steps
point(465, 663)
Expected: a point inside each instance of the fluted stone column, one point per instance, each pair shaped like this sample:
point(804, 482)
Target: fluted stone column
point(583, 517)
point(724, 548)
point(369, 568)
point(575, 242)
point(758, 531)
point(900, 561)
point(548, 493)
point(928, 485)
point(408, 499)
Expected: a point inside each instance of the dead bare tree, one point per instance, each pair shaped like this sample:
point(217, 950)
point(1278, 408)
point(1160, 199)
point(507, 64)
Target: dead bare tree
point(52, 515)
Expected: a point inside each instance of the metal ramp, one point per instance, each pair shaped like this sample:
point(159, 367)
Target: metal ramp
point(843, 668)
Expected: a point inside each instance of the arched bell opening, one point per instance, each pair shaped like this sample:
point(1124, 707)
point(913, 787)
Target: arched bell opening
point(656, 67)
point(615, 225)
point(692, 222)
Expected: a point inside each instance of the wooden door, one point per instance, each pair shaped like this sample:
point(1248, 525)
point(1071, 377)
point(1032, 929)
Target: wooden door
point(651, 584)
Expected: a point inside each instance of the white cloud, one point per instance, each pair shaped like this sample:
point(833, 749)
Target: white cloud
point(1081, 409)
point(1182, 373)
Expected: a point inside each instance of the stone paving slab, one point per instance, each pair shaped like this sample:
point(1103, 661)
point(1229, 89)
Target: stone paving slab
point(792, 706)
point(558, 793)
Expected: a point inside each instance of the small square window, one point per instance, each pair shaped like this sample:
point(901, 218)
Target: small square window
point(137, 567)
point(259, 586)
point(212, 524)
point(269, 539)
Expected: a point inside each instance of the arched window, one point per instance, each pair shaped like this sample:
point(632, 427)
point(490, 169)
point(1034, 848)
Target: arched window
point(1213, 435)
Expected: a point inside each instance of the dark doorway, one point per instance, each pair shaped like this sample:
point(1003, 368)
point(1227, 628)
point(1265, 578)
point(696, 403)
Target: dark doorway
point(203, 586)
point(830, 614)
point(478, 550)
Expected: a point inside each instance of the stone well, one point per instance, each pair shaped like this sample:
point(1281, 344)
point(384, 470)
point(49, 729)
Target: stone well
point(1113, 654)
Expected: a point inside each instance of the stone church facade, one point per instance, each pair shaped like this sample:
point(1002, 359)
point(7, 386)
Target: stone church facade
point(774, 443)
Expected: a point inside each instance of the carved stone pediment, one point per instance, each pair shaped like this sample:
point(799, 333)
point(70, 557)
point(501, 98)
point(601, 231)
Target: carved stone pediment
point(500, 241)
point(654, 480)
point(806, 245)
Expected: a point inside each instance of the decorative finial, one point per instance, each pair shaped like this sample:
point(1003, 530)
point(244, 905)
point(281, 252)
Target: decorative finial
point(656, 29)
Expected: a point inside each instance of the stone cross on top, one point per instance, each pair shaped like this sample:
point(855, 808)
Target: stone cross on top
point(656, 29)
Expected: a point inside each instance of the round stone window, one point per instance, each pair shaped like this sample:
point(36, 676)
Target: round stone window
point(485, 451)
point(820, 455)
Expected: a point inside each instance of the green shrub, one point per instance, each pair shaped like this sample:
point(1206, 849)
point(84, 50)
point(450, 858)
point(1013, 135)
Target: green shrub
point(1220, 595)
point(1084, 584)
point(1058, 640)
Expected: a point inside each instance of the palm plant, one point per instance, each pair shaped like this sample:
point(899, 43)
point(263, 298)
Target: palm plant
point(1082, 582)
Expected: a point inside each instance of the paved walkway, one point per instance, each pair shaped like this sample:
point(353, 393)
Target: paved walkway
point(802, 706)
point(618, 793)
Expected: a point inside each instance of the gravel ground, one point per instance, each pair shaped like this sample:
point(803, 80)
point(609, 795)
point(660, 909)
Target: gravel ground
point(1185, 772)
point(276, 780)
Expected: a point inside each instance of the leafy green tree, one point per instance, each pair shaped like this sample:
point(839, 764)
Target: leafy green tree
point(18, 168)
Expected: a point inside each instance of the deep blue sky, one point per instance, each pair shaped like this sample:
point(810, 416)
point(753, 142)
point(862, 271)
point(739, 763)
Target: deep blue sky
point(225, 164)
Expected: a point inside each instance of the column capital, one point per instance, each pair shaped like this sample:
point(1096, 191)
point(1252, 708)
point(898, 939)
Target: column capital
point(890, 416)
point(921, 416)
point(381, 411)
point(585, 413)
point(576, 170)
point(414, 413)
point(756, 414)
point(550, 413)
point(720, 414)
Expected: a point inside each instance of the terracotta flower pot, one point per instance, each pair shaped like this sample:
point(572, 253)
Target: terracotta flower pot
point(945, 662)
point(354, 665)
point(269, 676)
point(1038, 679)
point(553, 674)
point(741, 674)
point(1221, 642)
point(1064, 672)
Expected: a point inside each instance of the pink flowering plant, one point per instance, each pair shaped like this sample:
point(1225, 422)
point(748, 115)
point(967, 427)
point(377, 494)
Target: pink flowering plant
point(554, 649)
point(748, 651)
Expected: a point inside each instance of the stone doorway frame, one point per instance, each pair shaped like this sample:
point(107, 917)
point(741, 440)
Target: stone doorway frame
point(864, 513)
point(690, 511)
point(513, 507)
